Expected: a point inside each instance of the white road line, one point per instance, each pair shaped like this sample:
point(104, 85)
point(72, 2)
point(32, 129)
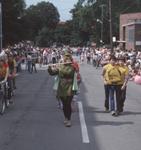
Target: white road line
point(84, 130)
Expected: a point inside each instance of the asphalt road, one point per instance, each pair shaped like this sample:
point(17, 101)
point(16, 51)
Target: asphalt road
point(35, 123)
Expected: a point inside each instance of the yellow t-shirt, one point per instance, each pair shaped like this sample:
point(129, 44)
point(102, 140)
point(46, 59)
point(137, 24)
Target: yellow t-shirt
point(105, 68)
point(124, 72)
point(127, 70)
point(112, 75)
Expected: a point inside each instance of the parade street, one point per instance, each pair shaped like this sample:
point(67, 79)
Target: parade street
point(34, 122)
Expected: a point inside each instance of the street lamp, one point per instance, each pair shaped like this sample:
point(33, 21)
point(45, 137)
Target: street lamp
point(0, 25)
point(101, 21)
point(111, 32)
point(101, 36)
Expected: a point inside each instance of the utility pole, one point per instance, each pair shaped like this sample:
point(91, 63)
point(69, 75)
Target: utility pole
point(102, 19)
point(110, 20)
point(0, 25)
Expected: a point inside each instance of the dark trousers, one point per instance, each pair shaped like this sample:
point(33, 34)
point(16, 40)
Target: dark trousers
point(29, 63)
point(97, 63)
point(106, 88)
point(123, 97)
point(53, 60)
point(88, 60)
point(14, 83)
point(18, 68)
point(33, 68)
point(67, 106)
point(119, 97)
point(94, 62)
point(10, 87)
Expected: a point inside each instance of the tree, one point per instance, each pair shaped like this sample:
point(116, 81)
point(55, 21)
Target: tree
point(45, 37)
point(86, 13)
point(20, 23)
point(83, 23)
point(11, 26)
point(40, 23)
point(40, 18)
point(63, 33)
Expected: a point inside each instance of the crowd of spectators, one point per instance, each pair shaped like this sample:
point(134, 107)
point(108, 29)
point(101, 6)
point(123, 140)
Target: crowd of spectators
point(25, 52)
point(100, 56)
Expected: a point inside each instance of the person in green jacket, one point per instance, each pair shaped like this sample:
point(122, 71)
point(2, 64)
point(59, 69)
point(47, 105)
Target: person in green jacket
point(65, 93)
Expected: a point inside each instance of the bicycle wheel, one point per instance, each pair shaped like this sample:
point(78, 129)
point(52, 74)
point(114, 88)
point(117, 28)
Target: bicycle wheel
point(2, 104)
point(7, 97)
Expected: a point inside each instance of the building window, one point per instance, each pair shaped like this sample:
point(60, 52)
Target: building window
point(134, 20)
point(131, 36)
point(131, 20)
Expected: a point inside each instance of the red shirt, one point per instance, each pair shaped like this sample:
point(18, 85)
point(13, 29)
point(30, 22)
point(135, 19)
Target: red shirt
point(76, 66)
point(5, 66)
point(3, 70)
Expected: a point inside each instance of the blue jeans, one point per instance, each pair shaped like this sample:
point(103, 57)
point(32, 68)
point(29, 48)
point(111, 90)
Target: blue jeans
point(115, 94)
point(112, 97)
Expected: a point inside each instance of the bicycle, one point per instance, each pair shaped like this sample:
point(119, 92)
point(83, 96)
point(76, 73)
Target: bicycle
point(11, 88)
point(4, 102)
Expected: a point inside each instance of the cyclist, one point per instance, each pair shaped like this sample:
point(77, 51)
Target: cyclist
point(4, 72)
point(12, 74)
point(4, 68)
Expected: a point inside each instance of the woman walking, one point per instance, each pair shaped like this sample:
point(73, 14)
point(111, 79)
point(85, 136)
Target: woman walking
point(65, 73)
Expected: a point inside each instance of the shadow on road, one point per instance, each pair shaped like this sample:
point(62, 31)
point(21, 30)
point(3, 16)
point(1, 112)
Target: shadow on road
point(131, 113)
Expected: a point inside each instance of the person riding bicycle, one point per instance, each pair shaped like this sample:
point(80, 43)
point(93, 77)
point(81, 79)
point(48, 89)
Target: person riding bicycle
point(12, 74)
point(4, 69)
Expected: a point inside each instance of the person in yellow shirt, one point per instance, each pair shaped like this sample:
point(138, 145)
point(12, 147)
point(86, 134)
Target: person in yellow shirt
point(106, 88)
point(112, 78)
point(124, 80)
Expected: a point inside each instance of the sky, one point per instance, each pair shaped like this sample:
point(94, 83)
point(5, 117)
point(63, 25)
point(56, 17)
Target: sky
point(63, 6)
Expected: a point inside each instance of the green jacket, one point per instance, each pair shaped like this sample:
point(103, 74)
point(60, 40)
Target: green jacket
point(66, 76)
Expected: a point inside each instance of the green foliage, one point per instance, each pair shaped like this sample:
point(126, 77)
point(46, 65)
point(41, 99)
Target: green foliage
point(85, 17)
point(41, 18)
point(40, 23)
point(12, 9)
point(45, 37)
point(62, 33)
point(46, 13)
point(20, 23)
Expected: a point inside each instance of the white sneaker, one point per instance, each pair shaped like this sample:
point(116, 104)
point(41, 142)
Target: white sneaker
point(113, 113)
point(68, 124)
point(65, 121)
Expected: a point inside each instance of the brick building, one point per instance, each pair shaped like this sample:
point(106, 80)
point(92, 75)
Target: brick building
point(130, 31)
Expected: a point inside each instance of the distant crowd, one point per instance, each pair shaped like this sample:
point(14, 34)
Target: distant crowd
point(25, 52)
point(99, 57)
